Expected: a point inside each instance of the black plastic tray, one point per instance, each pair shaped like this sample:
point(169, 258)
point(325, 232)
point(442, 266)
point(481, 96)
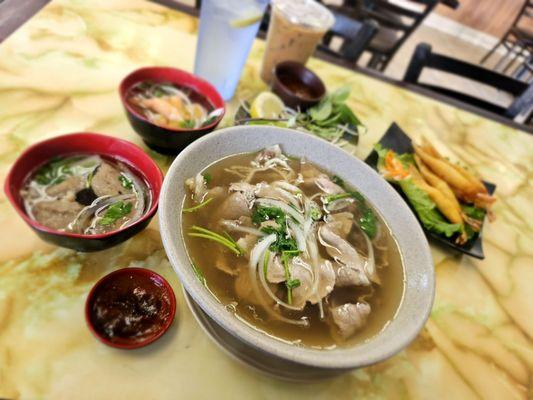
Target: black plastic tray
point(396, 140)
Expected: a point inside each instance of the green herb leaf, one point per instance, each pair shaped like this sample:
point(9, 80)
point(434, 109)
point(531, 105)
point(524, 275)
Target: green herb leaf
point(262, 214)
point(315, 214)
point(115, 212)
point(199, 274)
point(187, 124)
point(227, 241)
point(289, 282)
point(207, 178)
point(322, 111)
point(368, 221)
point(283, 241)
point(293, 283)
point(340, 95)
point(197, 207)
point(338, 181)
point(126, 182)
point(265, 263)
point(347, 116)
point(158, 92)
point(54, 172)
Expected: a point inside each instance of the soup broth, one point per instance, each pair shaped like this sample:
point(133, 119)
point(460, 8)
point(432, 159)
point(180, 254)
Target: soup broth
point(85, 194)
point(341, 290)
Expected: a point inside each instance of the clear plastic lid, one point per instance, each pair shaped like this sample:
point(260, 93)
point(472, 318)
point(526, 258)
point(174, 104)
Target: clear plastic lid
point(307, 13)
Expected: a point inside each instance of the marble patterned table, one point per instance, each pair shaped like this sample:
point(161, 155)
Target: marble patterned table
point(59, 73)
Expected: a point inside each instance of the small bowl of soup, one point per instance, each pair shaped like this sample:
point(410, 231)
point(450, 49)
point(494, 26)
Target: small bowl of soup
point(170, 108)
point(297, 249)
point(85, 191)
point(298, 86)
point(130, 308)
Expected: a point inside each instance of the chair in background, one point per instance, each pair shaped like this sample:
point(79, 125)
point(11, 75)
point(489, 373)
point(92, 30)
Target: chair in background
point(423, 58)
point(182, 6)
point(517, 42)
point(397, 21)
point(524, 71)
point(355, 36)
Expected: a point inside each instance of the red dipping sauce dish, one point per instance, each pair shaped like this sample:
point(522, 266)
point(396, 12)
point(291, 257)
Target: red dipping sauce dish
point(130, 308)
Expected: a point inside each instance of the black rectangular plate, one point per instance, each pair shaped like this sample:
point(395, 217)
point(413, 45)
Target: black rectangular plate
point(396, 140)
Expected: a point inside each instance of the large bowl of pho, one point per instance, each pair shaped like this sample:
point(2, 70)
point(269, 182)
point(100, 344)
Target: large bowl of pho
point(170, 108)
point(296, 248)
point(85, 191)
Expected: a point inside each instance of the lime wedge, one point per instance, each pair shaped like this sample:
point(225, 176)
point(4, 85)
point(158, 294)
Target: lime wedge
point(266, 105)
point(247, 21)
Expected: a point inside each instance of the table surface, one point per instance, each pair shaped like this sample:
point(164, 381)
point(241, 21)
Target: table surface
point(59, 73)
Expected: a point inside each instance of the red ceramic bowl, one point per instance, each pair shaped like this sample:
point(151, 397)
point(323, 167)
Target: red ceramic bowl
point(112, 283)
point(128, 153)
point(158, 138)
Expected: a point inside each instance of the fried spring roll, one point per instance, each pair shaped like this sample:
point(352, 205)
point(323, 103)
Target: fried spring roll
point(444, 204)
point(436, 182)
point(443, 170)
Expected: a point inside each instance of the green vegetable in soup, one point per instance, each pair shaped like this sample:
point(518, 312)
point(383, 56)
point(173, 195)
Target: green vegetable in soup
point(197, 207)
point(115, 212)
point(368, 221)
point(227, 240)
point(126, 182)
point(283, 241)
point(187, 124)
point(54, 172)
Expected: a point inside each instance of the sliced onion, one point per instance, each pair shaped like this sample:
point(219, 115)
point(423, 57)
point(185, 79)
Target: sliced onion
point(284, 207)
point(259, 249)
point(315, 262)
point(298, 235)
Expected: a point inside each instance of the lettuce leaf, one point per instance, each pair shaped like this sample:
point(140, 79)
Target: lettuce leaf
point(427, 210)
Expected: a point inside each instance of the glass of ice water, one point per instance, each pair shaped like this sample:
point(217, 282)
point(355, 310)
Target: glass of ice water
point(227, 31)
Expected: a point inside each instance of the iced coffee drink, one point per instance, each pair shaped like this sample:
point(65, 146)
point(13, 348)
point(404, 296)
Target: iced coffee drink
point(296, 27)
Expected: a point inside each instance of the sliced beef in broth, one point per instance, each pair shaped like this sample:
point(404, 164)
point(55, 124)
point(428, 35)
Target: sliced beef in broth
point(282, 242)
point(85, 194)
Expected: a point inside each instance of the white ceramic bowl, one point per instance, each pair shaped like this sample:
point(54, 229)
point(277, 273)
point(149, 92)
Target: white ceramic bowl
point(418, 266)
